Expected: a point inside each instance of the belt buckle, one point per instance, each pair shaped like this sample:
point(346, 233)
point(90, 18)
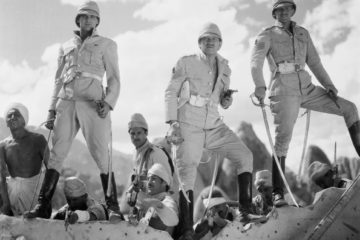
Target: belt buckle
point(297, 67)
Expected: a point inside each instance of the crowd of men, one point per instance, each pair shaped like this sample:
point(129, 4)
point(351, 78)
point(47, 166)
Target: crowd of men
point(160, 191)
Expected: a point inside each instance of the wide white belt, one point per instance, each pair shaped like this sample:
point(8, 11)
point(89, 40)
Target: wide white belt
point(199, 101)
point(91, 75)
point(286, 68)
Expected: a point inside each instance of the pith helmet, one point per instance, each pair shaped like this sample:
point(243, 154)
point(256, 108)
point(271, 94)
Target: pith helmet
point(210, 29)
point(89, 7)
point(282, 3)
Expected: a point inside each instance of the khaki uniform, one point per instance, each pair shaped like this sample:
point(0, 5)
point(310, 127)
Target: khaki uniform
point(164, 218)
point(149, 155)
point(200, 123)
point(78, 82)
point(290, 86)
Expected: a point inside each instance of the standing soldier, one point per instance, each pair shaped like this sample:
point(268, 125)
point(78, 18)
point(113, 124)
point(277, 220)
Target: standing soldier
point(288, 47)
point(79, 101)
point(193, 115)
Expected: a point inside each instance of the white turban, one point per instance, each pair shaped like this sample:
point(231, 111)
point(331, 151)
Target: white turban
point(21, 108)
point(74, 187)
point(160, 171)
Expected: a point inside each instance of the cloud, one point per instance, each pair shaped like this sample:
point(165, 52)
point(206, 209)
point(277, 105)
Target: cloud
point(146, 58)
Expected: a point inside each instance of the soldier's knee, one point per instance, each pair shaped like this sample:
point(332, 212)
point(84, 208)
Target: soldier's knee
point(350, 113)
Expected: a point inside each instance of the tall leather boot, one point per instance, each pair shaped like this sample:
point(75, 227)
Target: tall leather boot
point(186, 215)
point(43, 208)
point(278, 183)
point(111, 201)
point(354, 131)
point(245, 200)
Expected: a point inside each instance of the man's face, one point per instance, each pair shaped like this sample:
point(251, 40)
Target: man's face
point(14, 119)
point(77, 203)
point(210, 45)
point(138, 136)
point(284, 14)
point(87, 22)
point(221, 209)
point(155, 185)
point(265, 191)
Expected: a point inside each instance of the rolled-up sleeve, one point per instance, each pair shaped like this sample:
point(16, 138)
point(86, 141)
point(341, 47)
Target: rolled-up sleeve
point(58, 79)
point(112, 74)
point(169, 213)
point(173, 89)
point(258, 55)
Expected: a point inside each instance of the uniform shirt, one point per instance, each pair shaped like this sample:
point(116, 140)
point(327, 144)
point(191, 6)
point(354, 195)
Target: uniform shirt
point(150, 154)
point(167, 216)
point(279, 45)
point(197, 71)
point(93, 56)
point(93, 207)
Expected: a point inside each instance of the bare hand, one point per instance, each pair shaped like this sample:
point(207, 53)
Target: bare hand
point(72, 217)
point(174, 134)
point(260, 93)
point(332, 91)
point(50, 120)
point(102, 108)
point(226, 102)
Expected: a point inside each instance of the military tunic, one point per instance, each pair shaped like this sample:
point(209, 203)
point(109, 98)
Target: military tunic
point(290, 90)
point(200, 122)
point(78, 83)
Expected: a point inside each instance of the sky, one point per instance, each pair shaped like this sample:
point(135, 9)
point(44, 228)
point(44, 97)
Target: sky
point(153, 34)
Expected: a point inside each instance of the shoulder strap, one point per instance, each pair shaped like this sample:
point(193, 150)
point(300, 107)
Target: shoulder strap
point(169, 159)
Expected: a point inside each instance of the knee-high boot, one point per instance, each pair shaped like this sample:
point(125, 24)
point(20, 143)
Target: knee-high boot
point(43, 208)
point(245, 199)
point(354, 131)
point(186, 215)
point(112, 202)
point(278, 183)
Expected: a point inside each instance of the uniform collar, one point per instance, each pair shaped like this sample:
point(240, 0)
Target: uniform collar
point(94, 34)
point(146, 145)
point(218, 57)
point(280, 25)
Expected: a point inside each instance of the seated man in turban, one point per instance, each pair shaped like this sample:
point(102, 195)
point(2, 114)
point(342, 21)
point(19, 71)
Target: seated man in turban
point(21, 158)
point(217, 215)
point(80, 206)
point(324, 176)
point(263, 202)
point(156, 207)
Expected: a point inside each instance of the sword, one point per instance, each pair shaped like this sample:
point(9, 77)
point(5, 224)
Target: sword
point(304, 145)
point(262, 106)
point(216, 168)
point(181, 185)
